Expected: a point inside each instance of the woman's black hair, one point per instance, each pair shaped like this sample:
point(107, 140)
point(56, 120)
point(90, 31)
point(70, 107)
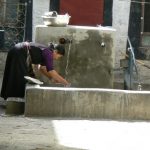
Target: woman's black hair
point(60, 49)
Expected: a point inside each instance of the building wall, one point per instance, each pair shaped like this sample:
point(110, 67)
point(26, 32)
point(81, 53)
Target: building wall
point(120, 21)
point(121, 10)
point(39, 8)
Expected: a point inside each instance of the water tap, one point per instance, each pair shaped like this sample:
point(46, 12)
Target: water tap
point(102, 44)
point(65, 41)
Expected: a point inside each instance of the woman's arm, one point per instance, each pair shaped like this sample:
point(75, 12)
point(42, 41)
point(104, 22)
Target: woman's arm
point(53, 74)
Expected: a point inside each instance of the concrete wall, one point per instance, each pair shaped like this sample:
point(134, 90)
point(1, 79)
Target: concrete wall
point(86, 63)
point(87, 103)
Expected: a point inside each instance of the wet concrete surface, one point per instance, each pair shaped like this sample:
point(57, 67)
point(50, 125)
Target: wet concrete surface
point(23, 133)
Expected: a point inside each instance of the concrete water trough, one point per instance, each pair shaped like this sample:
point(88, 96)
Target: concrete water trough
point(87, 103)
point(88, 65)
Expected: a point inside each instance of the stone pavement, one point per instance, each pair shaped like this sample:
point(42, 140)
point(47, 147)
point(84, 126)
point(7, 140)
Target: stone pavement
point(23, 133)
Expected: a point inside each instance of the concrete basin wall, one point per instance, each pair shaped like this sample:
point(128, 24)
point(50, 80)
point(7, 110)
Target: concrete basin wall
point(87, 103)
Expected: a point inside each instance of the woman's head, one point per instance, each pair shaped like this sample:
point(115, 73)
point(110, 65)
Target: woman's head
point(58, 51)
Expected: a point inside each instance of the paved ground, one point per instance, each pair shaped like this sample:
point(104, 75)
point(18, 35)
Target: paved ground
point(22, 133)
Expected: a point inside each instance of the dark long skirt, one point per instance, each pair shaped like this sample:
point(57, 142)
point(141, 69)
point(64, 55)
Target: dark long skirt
point(13, 84)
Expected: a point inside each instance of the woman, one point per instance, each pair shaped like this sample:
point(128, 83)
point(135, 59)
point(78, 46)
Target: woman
point(19, 64)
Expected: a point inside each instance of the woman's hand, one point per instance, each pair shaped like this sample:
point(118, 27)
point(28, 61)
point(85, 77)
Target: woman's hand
point(53, 75)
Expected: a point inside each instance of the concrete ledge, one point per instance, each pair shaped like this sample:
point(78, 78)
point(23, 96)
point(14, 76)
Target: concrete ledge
point(87, 103)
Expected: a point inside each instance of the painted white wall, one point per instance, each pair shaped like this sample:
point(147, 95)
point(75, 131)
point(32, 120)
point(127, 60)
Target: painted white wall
point(39, 8)
point(121, 11)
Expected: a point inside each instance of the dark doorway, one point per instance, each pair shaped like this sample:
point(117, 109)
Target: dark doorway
point(147, 16)
point(145, 23)
point(54, 5)
point(108, 12)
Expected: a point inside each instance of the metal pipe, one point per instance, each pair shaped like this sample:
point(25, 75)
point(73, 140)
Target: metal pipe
point(132, 65)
